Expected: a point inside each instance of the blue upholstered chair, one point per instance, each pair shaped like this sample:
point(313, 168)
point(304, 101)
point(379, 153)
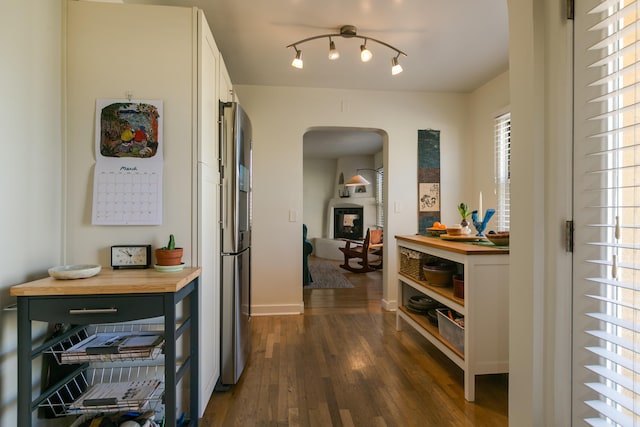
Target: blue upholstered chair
point(307, 248)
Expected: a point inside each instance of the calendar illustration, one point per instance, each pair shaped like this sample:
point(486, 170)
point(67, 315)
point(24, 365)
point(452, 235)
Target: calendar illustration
point(127, 184)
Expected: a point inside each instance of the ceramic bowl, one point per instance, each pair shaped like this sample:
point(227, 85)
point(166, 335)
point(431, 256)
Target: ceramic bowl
point(438, 275)
point(81, 271)
point(454, 231)
point(500, 238)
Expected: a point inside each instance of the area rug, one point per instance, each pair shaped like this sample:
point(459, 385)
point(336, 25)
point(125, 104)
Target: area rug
point(326, 275)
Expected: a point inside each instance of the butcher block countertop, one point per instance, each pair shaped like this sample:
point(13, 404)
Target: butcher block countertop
point(448, 245)
point(110, 282)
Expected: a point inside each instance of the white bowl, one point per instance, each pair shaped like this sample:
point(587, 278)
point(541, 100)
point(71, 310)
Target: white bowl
point(81, 271)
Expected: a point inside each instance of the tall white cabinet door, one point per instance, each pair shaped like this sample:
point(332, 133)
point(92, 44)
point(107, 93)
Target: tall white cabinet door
point(207, 210)
point(226, 87)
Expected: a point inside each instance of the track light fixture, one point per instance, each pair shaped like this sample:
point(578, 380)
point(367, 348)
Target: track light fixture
point(348, 31)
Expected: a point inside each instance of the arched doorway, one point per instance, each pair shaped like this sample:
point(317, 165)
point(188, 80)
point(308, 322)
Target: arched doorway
point(331, 156)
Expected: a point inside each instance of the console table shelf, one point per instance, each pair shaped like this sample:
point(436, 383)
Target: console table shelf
point(484, 307)
point(112, 297)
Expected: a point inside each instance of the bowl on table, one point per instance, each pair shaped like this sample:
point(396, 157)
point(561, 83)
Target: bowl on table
point(436, 232)
point(454, 230)
point(69, 272)
point(499, 238)
point(438, 275)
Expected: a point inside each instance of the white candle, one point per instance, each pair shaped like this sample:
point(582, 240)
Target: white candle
point(480, 208)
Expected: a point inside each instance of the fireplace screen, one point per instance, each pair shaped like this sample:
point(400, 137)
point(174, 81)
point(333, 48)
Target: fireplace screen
point(347, 223)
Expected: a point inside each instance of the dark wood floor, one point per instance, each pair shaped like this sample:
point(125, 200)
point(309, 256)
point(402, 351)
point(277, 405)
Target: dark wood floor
point(343, 363)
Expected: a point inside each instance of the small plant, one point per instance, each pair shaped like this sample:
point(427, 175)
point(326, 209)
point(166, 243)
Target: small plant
point(464, 210)
point(169, 255)
point(464, 213)
point(171, 245)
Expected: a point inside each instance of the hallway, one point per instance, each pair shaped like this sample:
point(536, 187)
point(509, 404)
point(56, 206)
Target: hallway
point(343, 363)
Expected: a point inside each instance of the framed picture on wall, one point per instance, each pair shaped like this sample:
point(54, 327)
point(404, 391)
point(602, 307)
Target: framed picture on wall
point(429, 197)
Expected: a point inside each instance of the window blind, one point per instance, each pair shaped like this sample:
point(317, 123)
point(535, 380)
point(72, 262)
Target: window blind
point(502, 173)
point(606, 285)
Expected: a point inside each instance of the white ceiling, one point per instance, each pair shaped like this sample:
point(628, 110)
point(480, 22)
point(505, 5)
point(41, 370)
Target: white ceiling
point(332, 143)
point(451, 45)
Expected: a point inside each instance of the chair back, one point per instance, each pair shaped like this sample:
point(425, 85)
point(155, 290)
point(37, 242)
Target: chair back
point(375, 237)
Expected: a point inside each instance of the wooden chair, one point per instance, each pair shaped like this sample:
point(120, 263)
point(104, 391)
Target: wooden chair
point(372, 245)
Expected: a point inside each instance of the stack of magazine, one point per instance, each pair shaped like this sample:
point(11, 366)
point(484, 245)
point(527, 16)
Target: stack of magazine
point(115, 346)
point(131, 395)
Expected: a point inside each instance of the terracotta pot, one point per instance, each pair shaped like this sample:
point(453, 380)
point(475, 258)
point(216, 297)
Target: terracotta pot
point(169, 256)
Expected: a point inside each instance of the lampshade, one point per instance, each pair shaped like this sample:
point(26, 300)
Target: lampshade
point(357, 180)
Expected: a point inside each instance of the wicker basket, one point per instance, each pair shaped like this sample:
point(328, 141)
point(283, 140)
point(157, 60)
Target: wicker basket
point(411, 262)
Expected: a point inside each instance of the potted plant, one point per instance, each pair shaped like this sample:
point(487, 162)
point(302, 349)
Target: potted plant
point(464, 213)
point(169, 255)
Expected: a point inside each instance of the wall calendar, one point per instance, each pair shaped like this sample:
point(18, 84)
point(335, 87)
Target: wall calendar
point(127, 183)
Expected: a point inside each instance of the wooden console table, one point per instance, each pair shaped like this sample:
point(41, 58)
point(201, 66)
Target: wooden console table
point(109, 297)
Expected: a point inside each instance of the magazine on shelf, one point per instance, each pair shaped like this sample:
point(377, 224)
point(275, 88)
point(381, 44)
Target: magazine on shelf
point(131, 395)
point(114, 346)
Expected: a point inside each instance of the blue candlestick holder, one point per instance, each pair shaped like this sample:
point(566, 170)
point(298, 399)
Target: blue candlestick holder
point(480, 226)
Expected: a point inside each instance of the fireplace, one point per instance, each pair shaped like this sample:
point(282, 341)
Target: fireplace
point(347, 223)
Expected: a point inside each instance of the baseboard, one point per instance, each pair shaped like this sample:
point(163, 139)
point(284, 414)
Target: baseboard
point(277, 310)
point(389, 305)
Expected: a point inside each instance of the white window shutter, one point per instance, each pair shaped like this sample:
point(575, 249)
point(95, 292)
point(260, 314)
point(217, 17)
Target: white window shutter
point(606, 287)
point(502, 172)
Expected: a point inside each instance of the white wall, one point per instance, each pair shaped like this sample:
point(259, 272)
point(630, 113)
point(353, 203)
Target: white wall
point(319, 187)
point(282, 115)
point(486, 103)
point(540, 272)
point(31, 173)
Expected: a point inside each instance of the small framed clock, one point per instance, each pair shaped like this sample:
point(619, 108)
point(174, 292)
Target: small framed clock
point(130, 256)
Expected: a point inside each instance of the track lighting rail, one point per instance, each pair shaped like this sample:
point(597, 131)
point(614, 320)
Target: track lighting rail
point(347, 31)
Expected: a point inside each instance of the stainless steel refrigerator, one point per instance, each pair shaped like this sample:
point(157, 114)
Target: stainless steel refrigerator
point(235, 232)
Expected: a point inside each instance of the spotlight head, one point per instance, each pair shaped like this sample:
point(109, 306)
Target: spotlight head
point(333, 52)
point(365, 54)
point(297, 61)
point(395, 67)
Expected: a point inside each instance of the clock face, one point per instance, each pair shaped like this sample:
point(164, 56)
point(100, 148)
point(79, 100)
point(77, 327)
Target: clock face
point(130, 256)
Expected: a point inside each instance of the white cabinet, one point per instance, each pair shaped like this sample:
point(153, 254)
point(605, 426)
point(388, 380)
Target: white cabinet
point(484, 307)
point(225, 86)
point(206, 234)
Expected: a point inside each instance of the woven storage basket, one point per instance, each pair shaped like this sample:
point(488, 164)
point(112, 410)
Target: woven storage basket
point(411, 262)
